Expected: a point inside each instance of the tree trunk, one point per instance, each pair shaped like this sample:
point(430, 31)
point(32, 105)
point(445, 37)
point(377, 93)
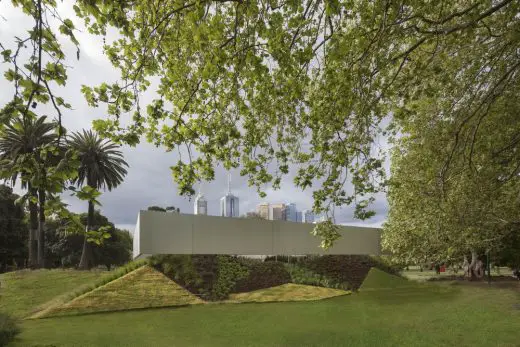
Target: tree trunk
point(86, 255)
point(475, 269)
point(41, 228)
point(33, 228)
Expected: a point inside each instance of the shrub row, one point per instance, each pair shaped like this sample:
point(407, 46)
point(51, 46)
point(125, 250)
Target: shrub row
point(351, 269)
point(214, 277)
point(301, 275)
point(8, 329)
point(262, 275)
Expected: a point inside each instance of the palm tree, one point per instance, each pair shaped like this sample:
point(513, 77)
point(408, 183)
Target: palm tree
point(20, 143)
point(102, 166)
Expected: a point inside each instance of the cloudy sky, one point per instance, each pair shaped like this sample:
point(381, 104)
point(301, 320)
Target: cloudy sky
point(149, 181)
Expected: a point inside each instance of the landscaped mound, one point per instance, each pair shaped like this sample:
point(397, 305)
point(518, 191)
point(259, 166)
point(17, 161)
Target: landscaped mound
point(287, 292)
point(144, 287)
point(377, 279)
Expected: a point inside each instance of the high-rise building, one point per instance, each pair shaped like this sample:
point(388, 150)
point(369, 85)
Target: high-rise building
point(277, 211)
point(201, 205)
point(307, 216)
point(263, 210)
point(290, 212)
point(229, 203)
point(299, 216)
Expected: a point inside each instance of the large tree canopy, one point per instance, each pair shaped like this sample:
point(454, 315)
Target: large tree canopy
point(268, 86)
point(250, 83)
point(474, 208)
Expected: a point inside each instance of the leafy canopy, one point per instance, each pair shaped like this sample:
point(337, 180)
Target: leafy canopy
point(266, 86)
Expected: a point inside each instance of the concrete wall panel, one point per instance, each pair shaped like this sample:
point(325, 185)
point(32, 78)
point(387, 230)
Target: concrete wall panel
point(218, 235)
point(173, 233)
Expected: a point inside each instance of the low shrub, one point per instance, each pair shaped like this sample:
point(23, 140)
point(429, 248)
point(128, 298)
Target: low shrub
point(230, 271)
point(182, 270)
point(262, 275)
point(8, 329)
point(351, 269)
point(283, 259)
point(301, 275)
point(214, 277)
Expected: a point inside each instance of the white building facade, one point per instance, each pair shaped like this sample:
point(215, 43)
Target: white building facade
point(201, 205)
point(229, 206)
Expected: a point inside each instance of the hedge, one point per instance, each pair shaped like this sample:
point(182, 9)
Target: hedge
point(262, 275)
point(214, 277)
point(351, 269)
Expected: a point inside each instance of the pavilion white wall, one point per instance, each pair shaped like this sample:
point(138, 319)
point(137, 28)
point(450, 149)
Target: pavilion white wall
point(174, 233)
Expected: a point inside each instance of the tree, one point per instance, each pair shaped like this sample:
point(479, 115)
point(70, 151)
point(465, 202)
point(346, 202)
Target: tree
point(279, 86)
point(13, 230)
point(156, 208)
point(474, 208)
point(162, 209)
point(173, 209)
point(65, 247)
point(23, 143)
point(102, 166)
point(252, 215)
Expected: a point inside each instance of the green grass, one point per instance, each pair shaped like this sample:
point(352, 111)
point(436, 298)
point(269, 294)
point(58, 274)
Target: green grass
point(409, 314)
point(377, 280)
point(287, 292)
point(462, 316)
point(23, 292)
point(143, 287)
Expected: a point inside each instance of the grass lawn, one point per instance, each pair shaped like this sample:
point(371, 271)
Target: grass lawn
point(425, 315)
point(22, 292)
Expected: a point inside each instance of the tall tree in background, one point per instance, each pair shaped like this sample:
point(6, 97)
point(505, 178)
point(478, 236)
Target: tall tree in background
point(473, 210)
point(274, 86)
point(13, 230)
point(23, 143)
point(65, 247)
point(102, 167)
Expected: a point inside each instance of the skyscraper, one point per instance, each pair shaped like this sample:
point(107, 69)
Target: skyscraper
point(299, 216)
point(277, 212)
point(307, 216)
point(229, 203)
point(201, 204)
point(263, 210)
point(290, 212)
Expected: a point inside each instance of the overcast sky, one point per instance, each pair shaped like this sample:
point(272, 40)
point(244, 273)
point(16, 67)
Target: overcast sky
point(149, 181)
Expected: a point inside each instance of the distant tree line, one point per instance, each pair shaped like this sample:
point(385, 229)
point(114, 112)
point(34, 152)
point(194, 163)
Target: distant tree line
point(63, 248)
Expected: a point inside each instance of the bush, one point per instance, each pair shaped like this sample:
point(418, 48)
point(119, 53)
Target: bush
point(8, 329)
point(230, 271)
point(300, 275)
point(350, 269)
point(283, 259)
point(262, 275)
point(182, 270)
point(214, 277)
